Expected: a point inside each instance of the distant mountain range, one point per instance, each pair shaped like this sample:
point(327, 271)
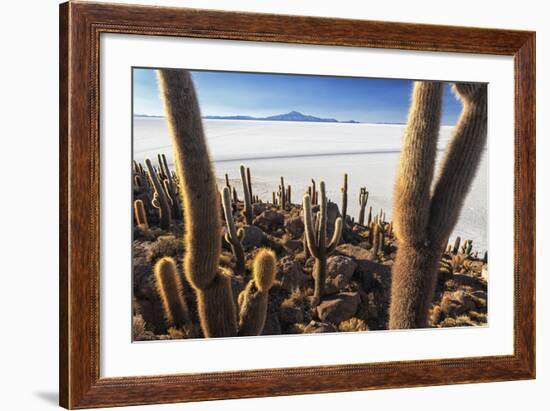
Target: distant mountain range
point(291, 116)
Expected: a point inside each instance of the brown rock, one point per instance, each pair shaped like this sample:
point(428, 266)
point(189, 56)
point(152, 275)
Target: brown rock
point(290, 274)
point(253, 236)
point(295, 227)
point(339, 308)
point(457, 302)
point(340, 269)
point(270, 220)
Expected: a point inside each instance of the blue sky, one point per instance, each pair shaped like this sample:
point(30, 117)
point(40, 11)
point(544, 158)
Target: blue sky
point(344, 98)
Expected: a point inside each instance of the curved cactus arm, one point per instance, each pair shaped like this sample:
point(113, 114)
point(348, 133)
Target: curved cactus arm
point(309, 227)
point(335, 240)
point(461, 162)
point(411, 196)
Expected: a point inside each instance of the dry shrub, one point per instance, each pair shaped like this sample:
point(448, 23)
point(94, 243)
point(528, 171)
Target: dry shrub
point(165, 246)
point(353, 324)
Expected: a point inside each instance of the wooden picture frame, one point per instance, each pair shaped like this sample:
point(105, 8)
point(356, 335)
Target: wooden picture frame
point(80, 27)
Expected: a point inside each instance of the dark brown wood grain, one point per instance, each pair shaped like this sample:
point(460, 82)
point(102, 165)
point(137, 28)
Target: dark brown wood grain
point(80, 27)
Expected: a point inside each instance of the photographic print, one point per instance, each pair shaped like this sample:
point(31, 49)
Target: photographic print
point(278, 204)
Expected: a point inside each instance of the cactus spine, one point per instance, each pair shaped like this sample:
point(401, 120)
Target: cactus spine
point(231, 236)
point(140, 215)
point(363, 198)
point(170, 290)
point(316, 240)
point(248, 213)
point(160, 200)
point(253, 300)
point(201, 205)
point(423, 221)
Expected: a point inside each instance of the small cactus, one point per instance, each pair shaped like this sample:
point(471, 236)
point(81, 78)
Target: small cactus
point(317, 242)
point(140, 214)
point(253, 300)
point(170, 290)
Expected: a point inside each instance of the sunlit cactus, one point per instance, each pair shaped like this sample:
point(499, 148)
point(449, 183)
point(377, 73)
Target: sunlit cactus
point(140, 214)
point(170, 290)
point(424, 218)
point(253, 300)
point(201, 205)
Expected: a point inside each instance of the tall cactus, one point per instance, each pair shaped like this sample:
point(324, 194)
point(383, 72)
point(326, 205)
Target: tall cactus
point(316, 240)
point(160, 200)
point(248, 211)
point(344, 190)
point(201, 205)
point(363, 198)
point(253, 300)
point(249, 184)
point(282, 194)
point(424, 220)
point(231, 236)
point(170, 290)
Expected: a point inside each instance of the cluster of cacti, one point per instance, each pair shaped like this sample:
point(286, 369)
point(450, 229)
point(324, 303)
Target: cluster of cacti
point(363, 198)
point(160, 197)
point(284, 194)
point(212, 286)
point(156, 187)
point(316, 234)
point(424, 220)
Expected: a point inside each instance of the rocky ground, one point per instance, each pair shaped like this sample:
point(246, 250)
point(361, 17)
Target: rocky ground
point(357, 287)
